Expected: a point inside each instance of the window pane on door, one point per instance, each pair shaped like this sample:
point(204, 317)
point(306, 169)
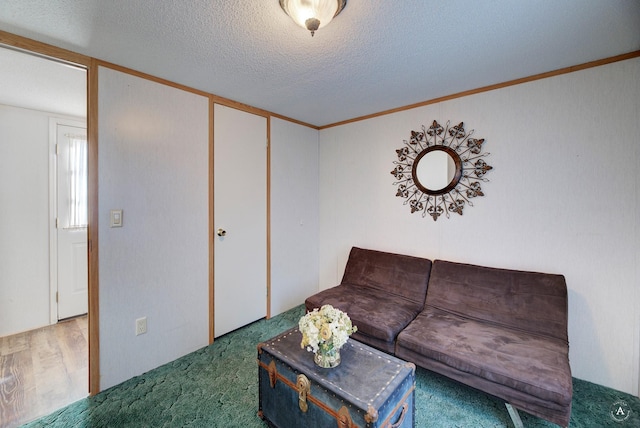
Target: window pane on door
point(77, 181)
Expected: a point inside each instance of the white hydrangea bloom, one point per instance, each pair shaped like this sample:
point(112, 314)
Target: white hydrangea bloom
point(327, 327)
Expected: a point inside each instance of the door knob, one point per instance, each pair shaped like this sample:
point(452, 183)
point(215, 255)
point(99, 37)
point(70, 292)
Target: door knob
point(221, 232)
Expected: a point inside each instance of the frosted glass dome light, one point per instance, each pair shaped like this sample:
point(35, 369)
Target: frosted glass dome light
point(312, 14)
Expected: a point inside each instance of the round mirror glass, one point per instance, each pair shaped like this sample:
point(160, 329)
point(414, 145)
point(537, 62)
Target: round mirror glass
point(435, 170)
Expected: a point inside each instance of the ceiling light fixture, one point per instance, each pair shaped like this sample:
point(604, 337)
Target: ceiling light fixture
point(312, 14)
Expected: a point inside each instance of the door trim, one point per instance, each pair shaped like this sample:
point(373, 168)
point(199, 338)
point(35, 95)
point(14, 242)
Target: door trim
point(268, 181)
point(211, 223)
point(53, 235)
point(92, 228)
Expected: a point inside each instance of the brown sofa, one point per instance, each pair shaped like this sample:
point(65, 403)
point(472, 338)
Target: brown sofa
point(498, 330)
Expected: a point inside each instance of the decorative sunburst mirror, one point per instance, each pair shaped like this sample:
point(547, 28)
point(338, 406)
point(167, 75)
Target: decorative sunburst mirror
point(440, 170)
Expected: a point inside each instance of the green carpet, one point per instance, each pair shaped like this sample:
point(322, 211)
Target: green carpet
point(217, 386)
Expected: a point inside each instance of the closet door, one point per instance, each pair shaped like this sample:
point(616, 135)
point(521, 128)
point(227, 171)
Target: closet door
point(240, 218)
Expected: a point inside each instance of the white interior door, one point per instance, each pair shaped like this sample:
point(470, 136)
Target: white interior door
point(71, 189)
point(240, 213)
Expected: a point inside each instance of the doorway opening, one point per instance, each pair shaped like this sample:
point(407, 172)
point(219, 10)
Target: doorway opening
point(36, 91)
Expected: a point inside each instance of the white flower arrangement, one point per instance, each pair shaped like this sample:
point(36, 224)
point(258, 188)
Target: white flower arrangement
point(327, 328)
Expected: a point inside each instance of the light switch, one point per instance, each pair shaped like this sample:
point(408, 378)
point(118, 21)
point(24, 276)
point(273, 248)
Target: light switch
point(116, 218)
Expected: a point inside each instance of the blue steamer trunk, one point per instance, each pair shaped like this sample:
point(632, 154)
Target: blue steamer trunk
point(368, 389)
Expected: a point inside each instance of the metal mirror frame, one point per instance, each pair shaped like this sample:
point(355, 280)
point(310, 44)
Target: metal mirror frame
point(456, 177)
point(467, 154)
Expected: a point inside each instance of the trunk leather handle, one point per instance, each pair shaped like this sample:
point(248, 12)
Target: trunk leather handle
point(405, 407)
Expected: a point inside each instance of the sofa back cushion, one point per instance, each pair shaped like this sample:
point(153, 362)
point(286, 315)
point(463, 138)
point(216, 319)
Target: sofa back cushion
point(404, 276)
point(527, 301)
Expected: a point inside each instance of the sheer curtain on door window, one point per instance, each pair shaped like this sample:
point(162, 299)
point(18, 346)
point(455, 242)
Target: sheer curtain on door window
point(77, 181)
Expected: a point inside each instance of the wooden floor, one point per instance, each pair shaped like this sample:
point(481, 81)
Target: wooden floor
point(42, 370)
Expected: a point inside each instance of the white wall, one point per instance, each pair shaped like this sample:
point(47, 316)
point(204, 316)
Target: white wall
point(24, 219)
point(564, 197)
point(153, 164)
point(25, 158)
point(294, 214)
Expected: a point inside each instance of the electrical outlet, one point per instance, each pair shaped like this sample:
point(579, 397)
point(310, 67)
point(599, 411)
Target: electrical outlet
point(141, 326)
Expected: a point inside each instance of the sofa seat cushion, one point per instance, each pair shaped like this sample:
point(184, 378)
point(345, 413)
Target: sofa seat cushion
point(526, 362)
point(375, 312)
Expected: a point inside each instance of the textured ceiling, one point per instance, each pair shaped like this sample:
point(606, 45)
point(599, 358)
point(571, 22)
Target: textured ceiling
point(375, 56)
